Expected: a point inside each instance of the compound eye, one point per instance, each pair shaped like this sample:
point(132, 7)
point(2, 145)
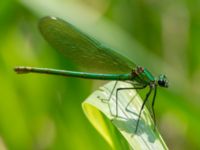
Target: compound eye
point(161, 82)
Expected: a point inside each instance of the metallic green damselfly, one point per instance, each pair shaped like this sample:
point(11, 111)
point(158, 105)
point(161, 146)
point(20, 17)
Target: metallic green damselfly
point(89, 53)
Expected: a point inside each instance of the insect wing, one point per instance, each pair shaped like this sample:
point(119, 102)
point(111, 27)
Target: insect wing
point(83, 50)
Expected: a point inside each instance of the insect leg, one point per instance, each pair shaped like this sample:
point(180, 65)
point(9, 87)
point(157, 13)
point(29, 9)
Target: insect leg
point(143, 104)
point(120, 89)
point(153, 102)
point(134, 88)
point(107, 100)
point(111, 93)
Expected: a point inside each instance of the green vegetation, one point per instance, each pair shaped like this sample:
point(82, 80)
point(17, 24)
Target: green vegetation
point(44, 112)
point(121, 134)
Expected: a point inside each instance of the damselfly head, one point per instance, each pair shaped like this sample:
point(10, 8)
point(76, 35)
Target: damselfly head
point(162, 81)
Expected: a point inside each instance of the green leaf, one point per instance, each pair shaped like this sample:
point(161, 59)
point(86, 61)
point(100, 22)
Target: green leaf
point(120, 132)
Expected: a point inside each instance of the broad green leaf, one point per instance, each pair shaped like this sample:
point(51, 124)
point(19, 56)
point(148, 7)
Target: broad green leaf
point(120, 132)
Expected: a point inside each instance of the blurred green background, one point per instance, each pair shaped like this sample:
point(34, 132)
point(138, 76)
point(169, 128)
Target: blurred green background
point(44, 112)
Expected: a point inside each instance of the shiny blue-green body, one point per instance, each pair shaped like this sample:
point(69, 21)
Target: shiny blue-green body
point(89, 54)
